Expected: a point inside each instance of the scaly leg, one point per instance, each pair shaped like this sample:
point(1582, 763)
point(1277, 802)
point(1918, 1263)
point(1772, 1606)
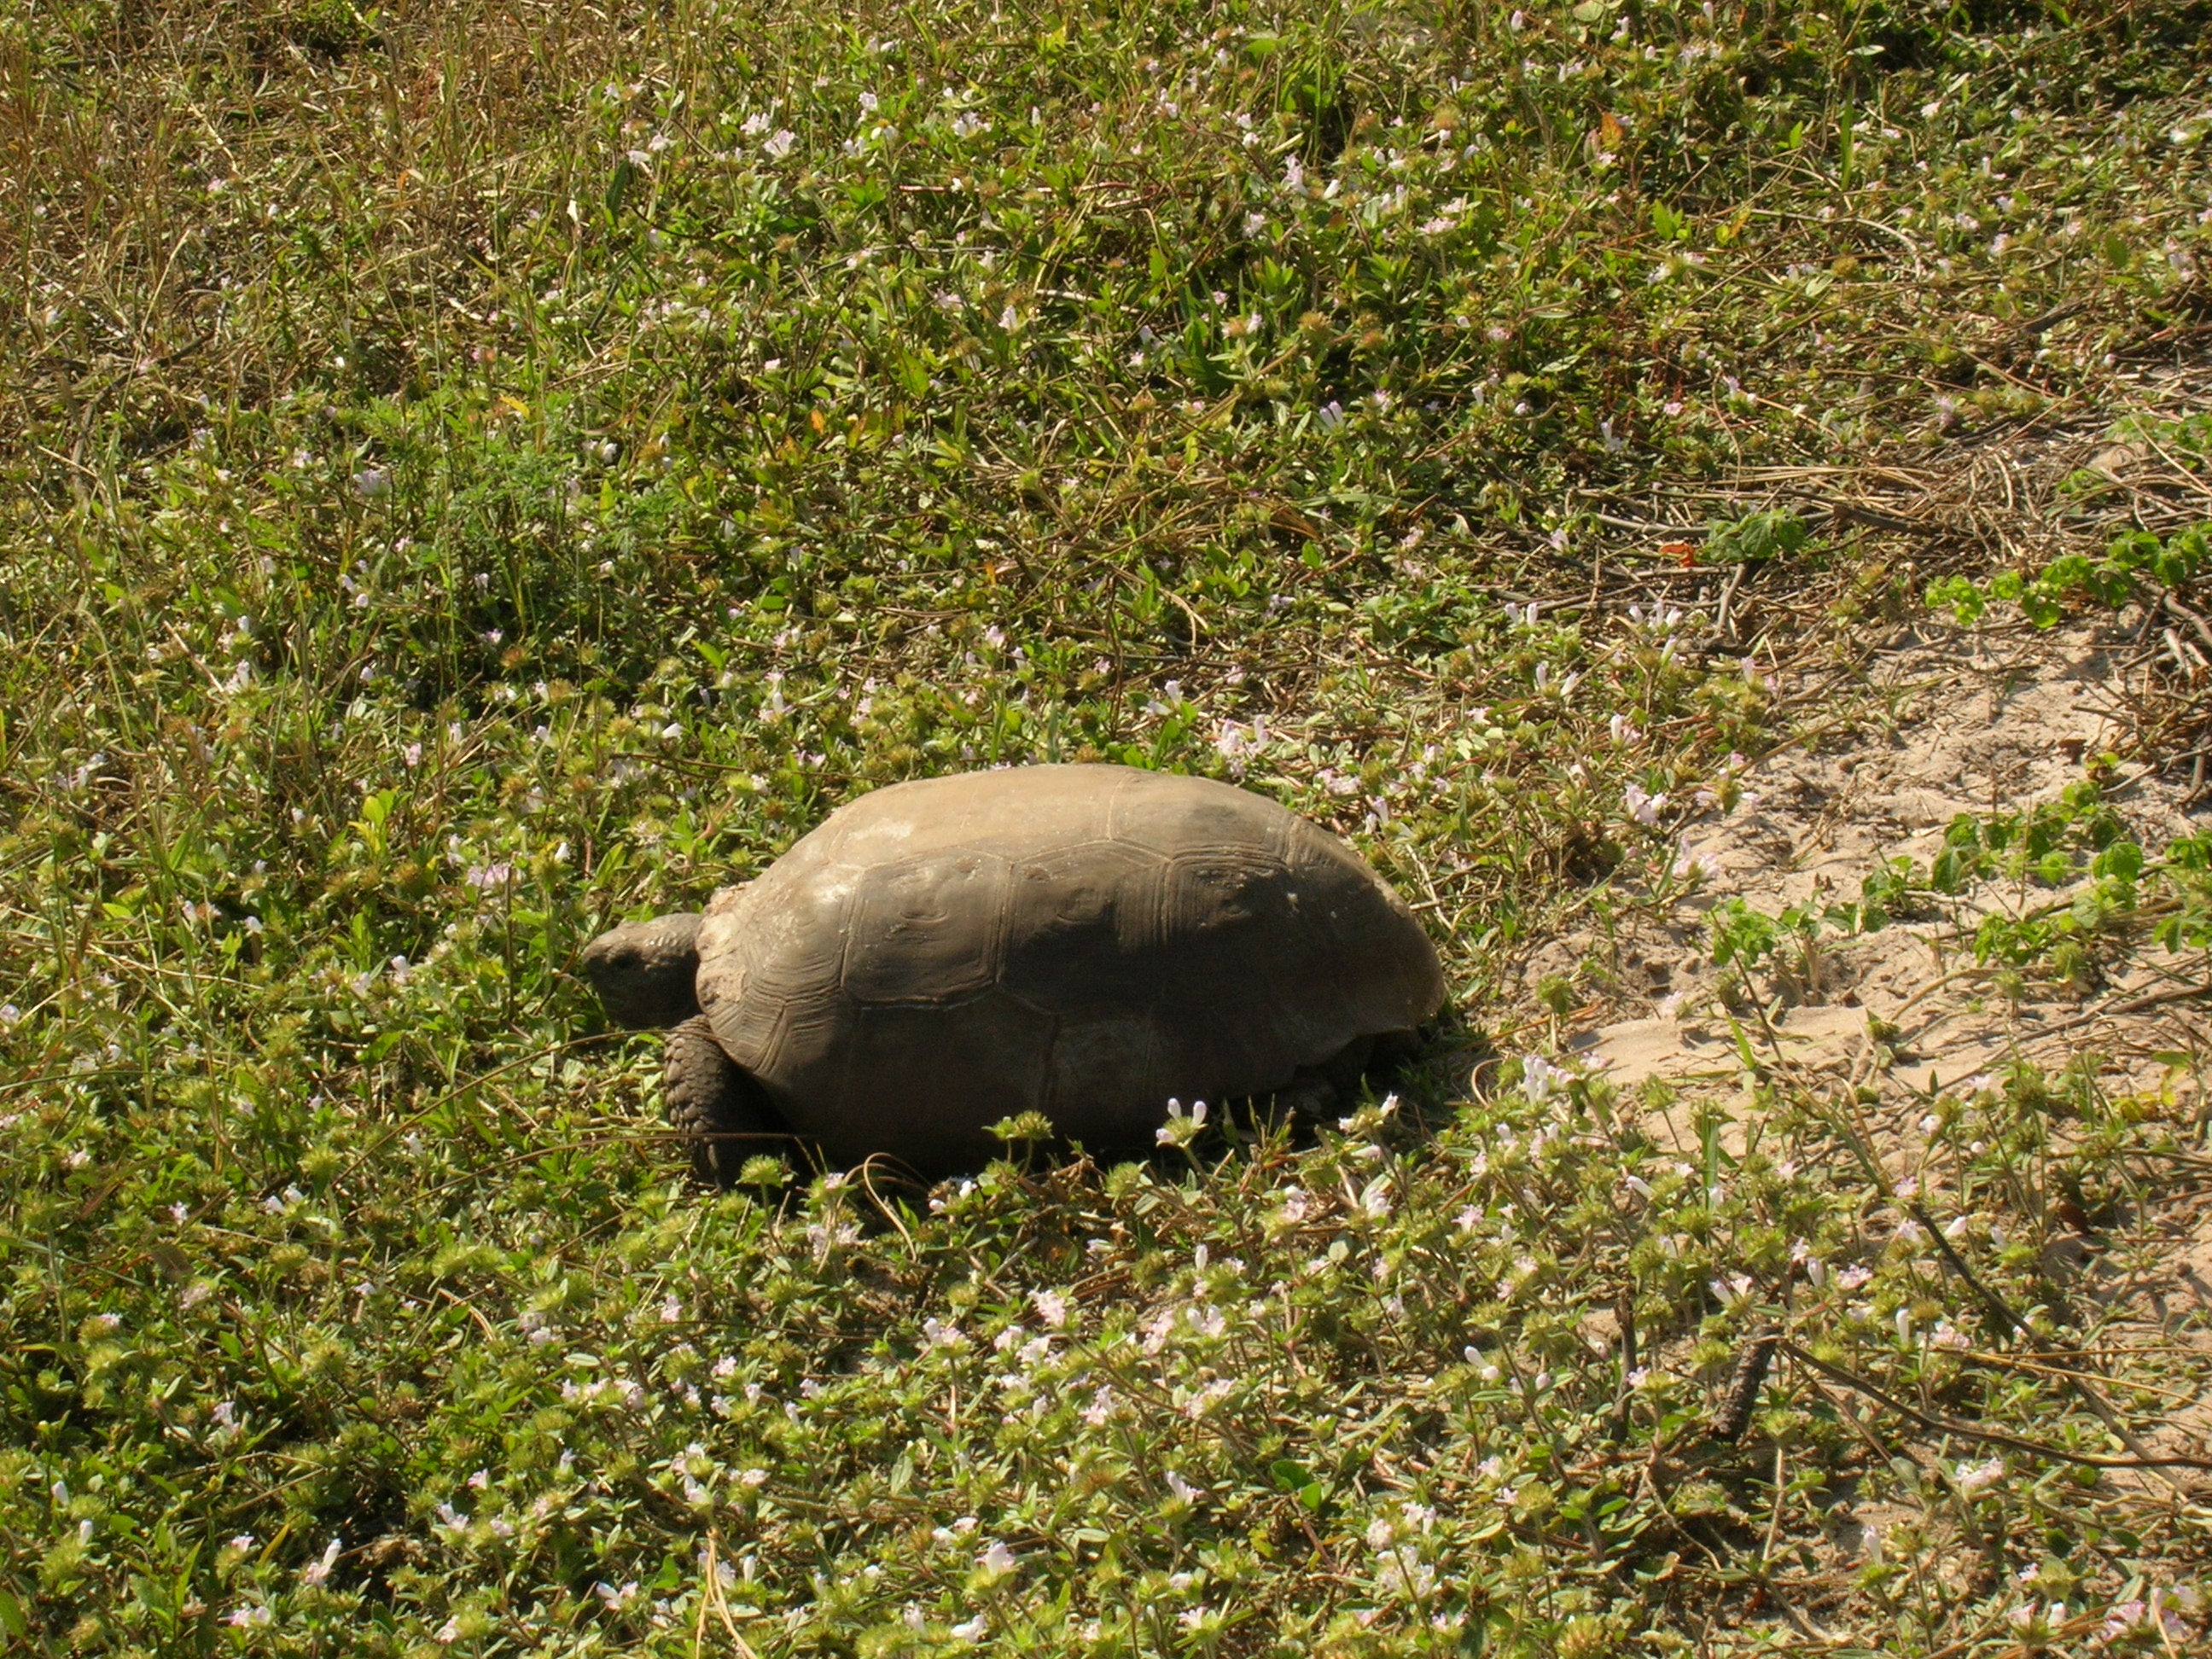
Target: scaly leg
point(723, 1112)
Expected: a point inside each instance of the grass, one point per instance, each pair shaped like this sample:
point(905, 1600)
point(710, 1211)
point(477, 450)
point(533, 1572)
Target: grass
point(476, 471)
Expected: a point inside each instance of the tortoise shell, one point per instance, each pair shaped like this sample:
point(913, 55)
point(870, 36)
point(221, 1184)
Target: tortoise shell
point(1084, 941)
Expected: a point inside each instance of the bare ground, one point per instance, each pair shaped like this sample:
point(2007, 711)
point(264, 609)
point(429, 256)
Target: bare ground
point(1956, 723)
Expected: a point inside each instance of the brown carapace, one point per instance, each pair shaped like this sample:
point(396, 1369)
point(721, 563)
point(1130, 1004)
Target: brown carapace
point(1087, 942)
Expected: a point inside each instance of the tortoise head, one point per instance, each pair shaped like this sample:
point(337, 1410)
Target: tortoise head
point(646, 972)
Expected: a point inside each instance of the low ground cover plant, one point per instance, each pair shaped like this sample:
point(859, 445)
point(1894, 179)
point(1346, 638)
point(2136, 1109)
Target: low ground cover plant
point(471, 472)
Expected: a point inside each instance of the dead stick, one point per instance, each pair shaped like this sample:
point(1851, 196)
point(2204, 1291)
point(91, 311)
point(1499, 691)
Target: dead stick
point(1987, 1436)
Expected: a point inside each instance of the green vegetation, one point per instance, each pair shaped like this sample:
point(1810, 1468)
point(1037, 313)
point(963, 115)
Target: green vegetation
point(2114, 580)
point(469, 472)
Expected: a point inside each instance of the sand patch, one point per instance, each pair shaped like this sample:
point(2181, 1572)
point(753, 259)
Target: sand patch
point(1943, 724)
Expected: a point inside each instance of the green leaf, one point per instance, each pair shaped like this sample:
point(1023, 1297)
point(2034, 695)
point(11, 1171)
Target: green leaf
point(2122, 861)
point(1755, 537)
point(2132, 551)
point(618, 185)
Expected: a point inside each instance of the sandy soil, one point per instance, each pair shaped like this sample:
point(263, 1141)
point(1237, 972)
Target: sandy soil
point(1944, 723)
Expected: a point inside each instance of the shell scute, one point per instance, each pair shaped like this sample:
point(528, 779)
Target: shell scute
point(1082, 923)
point(928, 928)
point(1149, 810)
point(1228, 889)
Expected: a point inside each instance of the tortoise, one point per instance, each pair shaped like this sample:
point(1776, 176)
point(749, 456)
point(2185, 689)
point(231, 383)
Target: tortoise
point(1085, 941)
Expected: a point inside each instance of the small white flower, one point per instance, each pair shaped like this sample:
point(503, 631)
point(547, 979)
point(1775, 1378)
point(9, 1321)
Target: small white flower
point(1697, 867)
point(997, 1560)
point(1181, 1128)
point(1540, 1079)
point(1980, 1476)
point(780, 145)
point(317, 1572)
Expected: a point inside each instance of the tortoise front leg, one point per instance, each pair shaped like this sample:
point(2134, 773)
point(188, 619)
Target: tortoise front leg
point(716, 1104)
